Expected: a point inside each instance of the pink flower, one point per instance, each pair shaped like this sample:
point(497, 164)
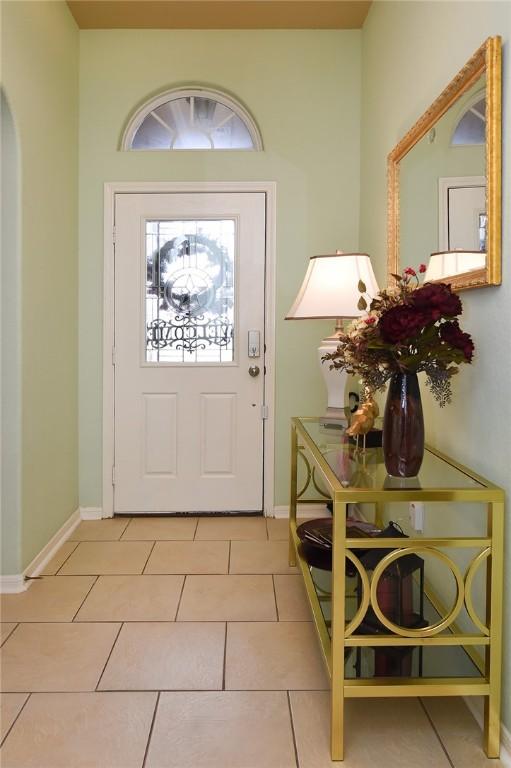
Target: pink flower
point(369, 320)
point(410, 271)
point(422, 268)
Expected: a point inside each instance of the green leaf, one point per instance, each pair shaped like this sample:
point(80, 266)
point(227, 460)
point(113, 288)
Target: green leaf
point(362, 286)
point(397, 277)
point(362, 303)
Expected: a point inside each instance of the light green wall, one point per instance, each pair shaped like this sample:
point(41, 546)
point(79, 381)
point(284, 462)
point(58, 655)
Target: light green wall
point(410, 52)
point(303, 88)
point(40, 77)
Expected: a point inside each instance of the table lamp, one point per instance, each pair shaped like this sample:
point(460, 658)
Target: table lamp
point(450, 263)
point(330, 290)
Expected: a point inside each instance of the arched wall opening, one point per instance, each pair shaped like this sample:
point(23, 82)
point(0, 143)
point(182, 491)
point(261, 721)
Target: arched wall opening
point(10, 324)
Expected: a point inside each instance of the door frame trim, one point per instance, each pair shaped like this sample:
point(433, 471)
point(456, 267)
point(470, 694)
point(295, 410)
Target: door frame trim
point(269, 188)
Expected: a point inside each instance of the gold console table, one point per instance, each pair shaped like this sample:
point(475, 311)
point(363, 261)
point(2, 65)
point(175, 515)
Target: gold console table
point(337, 471)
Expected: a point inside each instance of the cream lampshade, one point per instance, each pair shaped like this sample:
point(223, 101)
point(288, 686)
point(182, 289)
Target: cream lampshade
point(330, 289)
point(444, 264)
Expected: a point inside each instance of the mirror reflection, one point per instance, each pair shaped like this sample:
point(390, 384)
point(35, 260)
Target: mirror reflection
point(443, 191)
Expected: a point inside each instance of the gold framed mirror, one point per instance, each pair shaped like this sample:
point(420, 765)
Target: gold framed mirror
point(444, 181)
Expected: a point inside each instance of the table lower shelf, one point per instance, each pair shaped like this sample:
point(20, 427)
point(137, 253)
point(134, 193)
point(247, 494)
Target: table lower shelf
point(443, 664)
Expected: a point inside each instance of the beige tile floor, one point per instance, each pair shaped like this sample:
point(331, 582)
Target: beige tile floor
point(185, 643)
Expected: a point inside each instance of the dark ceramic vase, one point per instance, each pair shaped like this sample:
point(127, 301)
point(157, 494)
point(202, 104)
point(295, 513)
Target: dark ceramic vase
point(403, 426)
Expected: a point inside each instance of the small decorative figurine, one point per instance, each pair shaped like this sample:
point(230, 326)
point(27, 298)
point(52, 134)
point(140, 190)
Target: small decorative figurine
point(364, 418)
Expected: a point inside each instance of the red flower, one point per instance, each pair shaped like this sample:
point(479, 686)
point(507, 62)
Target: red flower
point(422, 268)
point(437, 300)
point(401, 323)
point(410, 271)
point(369, 320)
point(452, 334)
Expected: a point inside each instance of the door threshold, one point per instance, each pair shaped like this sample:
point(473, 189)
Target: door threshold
point(226, 513)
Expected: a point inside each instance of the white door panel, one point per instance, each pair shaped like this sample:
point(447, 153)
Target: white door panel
point(218, 434)
point(188, 422)
point(160, 435)
point(466, 206)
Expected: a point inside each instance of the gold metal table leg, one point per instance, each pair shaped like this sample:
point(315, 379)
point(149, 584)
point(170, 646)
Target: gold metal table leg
point(337, 643)
point(379, 508)
point(293, 494)
point(494, 582)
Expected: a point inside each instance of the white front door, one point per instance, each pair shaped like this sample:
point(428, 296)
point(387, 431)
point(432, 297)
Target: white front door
point(189, 352)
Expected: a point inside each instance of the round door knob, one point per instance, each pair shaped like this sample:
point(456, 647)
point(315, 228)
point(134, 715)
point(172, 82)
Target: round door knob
point(254, 370)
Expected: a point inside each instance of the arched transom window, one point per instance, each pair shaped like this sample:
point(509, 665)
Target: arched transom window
point(192, 118)
point(471, 127)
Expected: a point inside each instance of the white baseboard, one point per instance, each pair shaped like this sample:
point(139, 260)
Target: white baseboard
point(20, 582)
point(505, 746)
point(45, 555)
point(91, 513)
point(308, 511)
point(475, 706)
point(11, 585)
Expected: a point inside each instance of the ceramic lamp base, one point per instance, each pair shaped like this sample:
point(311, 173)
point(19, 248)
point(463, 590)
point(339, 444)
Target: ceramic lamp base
point(338, 408)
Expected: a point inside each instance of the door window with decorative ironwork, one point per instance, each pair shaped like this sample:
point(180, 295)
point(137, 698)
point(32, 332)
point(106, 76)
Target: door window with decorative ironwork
point(190, 291)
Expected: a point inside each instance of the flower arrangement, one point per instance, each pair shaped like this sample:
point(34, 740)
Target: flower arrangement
point(408, 328)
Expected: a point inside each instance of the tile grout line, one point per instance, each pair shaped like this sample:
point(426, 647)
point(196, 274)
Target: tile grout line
point(148, 556)
point(85, 598)
point(130, 519)
point(115, 573)
point(293, 729)
point(13, 630)
point(171, 573)
point(196, 528)
point(67, 558)
point(15, 719)
point(109, 540)
point(180, 596)
point(430, 719)
point(275, 596)
point(159, 621)
point(176, 690)
point(229, 558)
point(225, 657)
point(151, 729)
point(108, 657)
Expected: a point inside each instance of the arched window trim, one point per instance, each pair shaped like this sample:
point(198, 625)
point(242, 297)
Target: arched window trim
point(178, 93)
point(480, 94)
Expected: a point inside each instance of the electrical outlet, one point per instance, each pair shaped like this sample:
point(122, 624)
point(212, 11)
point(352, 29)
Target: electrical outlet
point(416, 512)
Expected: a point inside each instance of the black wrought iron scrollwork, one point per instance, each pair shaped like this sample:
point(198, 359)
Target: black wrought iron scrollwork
point(189, 333)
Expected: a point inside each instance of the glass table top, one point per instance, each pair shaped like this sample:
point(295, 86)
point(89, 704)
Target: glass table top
point(366, 469)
